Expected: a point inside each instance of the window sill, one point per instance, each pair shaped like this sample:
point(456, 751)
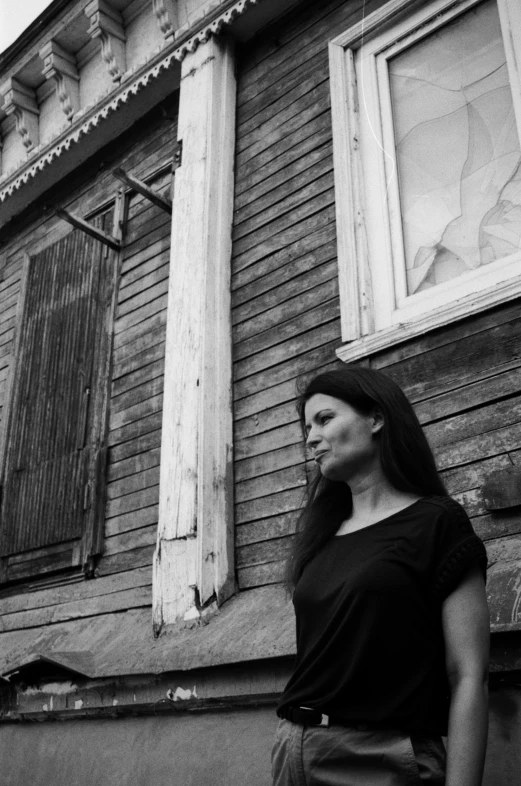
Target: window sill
point(460, 309)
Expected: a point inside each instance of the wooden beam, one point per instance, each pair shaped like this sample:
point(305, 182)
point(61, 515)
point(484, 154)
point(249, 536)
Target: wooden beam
point(142, 188)
point(79, 223)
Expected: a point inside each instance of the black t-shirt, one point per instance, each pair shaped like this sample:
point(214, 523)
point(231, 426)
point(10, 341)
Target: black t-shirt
point(368, 610)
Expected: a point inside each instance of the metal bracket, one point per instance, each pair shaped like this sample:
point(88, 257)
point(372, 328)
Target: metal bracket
point(79, 223)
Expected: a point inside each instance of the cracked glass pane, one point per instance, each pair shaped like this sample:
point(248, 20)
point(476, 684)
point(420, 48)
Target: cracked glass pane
point(458, 156)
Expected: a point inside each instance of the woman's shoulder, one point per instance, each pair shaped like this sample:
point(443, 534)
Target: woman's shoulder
point(445, 506)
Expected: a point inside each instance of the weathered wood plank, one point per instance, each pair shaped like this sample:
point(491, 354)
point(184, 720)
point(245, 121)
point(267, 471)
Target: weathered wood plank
point(135, 413)
point(287, 241)
point(287, 434)
point(307, 310)
point(299, 257)
point(485, 445)
point(150, 222)
point(269, 462)
point(261, 386)
point(498, 385)
point(272, 217)
point(134, 501)
point(6, 349)
point(7, 336)
point(138, 444)
point(133, 483)
point(137, 395)
point(7, 324)
point(270, 505)
point(283, 480)
point(467, 424)
point(278, 48)
point(126, 541)
point(504, 549)
point(276, 135)
point(294, 175)
point(141, 303)
point(263, 552)
point(142, 375)
point(56, 596)
point(498, 324)
point(130, 322)
point(266, 529)
point(277, 229)
point(273, 165)
point(126, 560)
point(274, 356)
point(492, 526)
point(258, 575)
point(271, 129)
point(152, 273)
point(139, 353)
point(128, 334)
point(308, 76)
point(287, 288)
point(135, 261)
point(473, 475)
point(86, 607)
point(137, 428)
point(131, 521)
point(133, 464)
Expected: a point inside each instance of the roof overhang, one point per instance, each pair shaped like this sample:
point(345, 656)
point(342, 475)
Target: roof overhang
point(128, 102)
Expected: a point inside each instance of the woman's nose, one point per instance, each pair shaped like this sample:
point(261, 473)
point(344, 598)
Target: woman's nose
point(312, 438)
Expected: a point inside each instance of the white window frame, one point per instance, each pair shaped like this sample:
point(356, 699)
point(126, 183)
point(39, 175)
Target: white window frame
point(375, 311)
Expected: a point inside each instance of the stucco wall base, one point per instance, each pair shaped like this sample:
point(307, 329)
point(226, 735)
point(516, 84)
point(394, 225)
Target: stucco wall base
point(212, 749)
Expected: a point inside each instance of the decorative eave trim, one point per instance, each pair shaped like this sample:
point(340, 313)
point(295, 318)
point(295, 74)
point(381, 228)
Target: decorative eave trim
point(213, 25)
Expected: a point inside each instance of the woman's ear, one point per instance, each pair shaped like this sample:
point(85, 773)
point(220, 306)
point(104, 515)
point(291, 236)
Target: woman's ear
point(377, 420)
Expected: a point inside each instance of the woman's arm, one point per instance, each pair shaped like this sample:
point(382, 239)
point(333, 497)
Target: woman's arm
point(465, 622)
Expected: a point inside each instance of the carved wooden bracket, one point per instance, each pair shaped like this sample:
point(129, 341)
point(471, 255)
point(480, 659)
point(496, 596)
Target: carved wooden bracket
point(107, 24)
point(20, 101)
point(60, 65)
point(166, 15)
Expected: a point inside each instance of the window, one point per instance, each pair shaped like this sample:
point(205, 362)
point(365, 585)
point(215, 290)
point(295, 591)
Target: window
point(54, 455)
point(426, 128)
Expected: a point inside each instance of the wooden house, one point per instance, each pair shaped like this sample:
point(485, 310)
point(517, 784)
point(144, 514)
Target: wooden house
point(201, 202)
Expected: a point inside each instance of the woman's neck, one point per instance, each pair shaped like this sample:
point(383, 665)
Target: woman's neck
point(374, 498)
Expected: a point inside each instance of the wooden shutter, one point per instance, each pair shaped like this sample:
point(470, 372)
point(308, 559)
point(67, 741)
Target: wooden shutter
point(54, 465)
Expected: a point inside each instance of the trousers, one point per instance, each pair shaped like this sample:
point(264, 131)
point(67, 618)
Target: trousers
point(343, 756)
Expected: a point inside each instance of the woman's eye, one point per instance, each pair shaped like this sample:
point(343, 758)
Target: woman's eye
point(325, 419)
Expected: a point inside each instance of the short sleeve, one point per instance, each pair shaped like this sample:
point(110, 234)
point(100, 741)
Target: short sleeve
point(457, 549)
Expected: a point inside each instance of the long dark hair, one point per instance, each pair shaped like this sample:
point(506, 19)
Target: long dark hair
point(406, 457)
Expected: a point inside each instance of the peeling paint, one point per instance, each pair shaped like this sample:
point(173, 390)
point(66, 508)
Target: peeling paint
point(182, 694)
point(56, 688)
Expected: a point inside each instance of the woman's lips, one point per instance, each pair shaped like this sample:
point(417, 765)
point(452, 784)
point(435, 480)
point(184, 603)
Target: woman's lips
point(319, 454)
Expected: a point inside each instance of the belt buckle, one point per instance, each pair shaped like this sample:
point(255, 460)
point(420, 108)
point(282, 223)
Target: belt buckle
point(324, 720)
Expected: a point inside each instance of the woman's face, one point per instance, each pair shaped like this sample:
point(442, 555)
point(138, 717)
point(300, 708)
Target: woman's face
point(343, 442)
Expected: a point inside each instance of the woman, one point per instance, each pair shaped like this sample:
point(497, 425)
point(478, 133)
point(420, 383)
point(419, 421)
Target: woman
point(389, 595)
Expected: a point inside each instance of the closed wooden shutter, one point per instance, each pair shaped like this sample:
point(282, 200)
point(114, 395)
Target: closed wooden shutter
point(55, 441)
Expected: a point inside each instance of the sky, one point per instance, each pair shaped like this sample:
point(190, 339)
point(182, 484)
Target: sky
point(15, 16)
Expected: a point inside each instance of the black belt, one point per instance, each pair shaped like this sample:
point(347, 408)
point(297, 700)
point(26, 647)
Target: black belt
point(306, 716)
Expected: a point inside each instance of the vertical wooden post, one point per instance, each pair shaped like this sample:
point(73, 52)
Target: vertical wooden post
point(193, 562)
